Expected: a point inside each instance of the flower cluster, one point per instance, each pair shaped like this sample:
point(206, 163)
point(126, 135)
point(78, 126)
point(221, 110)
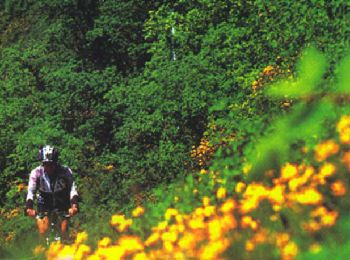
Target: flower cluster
point(222, 222)
point(268, 75)
point(203, 152)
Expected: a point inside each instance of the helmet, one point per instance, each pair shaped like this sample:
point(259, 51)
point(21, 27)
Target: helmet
point(48, 154)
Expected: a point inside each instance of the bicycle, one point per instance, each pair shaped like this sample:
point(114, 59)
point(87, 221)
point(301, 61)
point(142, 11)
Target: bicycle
point(55, 218)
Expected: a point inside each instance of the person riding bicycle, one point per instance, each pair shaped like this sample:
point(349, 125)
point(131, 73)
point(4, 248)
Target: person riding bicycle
point(53, 186)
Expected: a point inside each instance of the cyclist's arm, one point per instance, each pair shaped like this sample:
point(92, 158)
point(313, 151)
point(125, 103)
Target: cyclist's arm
point(32, 187)
point(74, 196)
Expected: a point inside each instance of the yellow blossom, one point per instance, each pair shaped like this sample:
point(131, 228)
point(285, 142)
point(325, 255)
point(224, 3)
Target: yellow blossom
point(138, 211)
point(130, 243)
point(247, 168)
point(209, 211)
point(240, 187)
point(289, 171)
point(140, 256)
point(215, 230)
point(326, 149)
point(343, 127)
point(249, 246)
point(104, 242)
point(228, 206)
point(206, 201)
point(82, 252)
point(171, 212)
point(169, 236)
point(188, 241)
point(109, 167)
point(276, 195)
point(290, 250)
point(152, 239)
point(213, 249)
point(221, 193)
point(308, 196)
point(81, 237)
point(327, 170)
point(120, 222)
point(247, 221)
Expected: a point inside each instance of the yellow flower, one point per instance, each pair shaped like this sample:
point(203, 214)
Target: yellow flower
point(338, 188)
point(171, 212)
point(327, 169)
point(247, 221)
point(206, 201)
point(289, 171)
point(152, 239)
point(326, 149)
point(138, 211)
point(81, 237)
point(209, 211)
point(343, 123)
point(67, 252)
point(290, 250)
point(21, 187)
point(196, 223)
point(329, 219)
point(188, 241)
point(247, 168)
point(82, 252)
point(130, 243)
point(228, 206)
point(104, 242)
point(343, 127)
point(120, 222)
point(240, 187)
point(213, 249)
point(344, 136)
point(109, 167)
point(140, 256)
point(276, 195)
point(308, 196)
point(221, 193)
point(215, 230)
point(249, 246)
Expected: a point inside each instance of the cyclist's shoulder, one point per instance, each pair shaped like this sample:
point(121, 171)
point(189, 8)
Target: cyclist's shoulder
point(37, 171)
point(65, 170)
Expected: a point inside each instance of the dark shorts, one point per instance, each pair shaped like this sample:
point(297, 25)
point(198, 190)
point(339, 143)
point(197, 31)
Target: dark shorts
point(44, 210)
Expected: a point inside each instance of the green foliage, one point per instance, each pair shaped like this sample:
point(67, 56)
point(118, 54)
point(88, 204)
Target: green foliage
point(126, 88)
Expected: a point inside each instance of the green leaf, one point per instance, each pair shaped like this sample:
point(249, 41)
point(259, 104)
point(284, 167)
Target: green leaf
point(343, 75)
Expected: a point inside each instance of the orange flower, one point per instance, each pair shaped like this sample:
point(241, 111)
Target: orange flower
point(346, 159)
point(326, 149)
point(338, 188)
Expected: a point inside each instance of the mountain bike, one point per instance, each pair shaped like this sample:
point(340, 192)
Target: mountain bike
point(55, 218)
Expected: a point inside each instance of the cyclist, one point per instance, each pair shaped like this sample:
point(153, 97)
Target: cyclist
point(53, 186)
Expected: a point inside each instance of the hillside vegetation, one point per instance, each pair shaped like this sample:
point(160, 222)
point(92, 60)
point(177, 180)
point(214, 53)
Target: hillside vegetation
point(195, 129)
